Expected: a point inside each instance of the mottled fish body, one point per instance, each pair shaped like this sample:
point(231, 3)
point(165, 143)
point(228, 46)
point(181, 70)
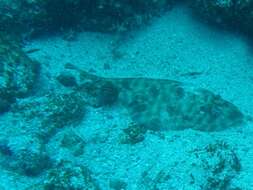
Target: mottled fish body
point(160, 104)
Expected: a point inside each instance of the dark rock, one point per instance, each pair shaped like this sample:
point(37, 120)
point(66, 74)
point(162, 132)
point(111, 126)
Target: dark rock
point(51, 113)
point(32, 163)
point(28, 157)
point(41, 16)
point(18, 71)
point(133, 134)
point(68, 176)
point(230, 14)
point(222, 164)
point(212, 167)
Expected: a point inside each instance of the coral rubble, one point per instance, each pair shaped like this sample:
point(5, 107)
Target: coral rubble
point(33, 17)
point(18, 73)
point(29, 157)
point(211, 167)
point(50, 113)
point(68, 176)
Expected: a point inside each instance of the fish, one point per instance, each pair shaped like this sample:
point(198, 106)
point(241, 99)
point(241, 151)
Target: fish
point(192, 74)
point(32, 50)
point(162, 104)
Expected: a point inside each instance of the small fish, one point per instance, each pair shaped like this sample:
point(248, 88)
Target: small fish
point(191, 74)
point(32, 50)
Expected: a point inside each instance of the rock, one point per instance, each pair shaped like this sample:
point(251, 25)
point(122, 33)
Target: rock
point(211, 167)
point(18, 72)
point(28, 157)
point(50, 113)
point(221, 165)
point(33, 163)
point(229, 13)
point(68, 176)
point(133, 134)
point(33, 17)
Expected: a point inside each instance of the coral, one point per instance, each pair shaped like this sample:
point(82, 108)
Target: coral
point(221, 164)
point(213, 166)
point(227, 12)
point(133, 134)
point(33, 163)
point(28, 158)
point(51, 112)
point(18, 72)
point(67, 176)
point(35, 16)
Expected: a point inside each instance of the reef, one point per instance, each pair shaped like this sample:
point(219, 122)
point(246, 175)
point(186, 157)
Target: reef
point(212, 167)
point(235, 14)
point(33, 17)
point(28, 158)
point(133, 134)
point(18, 73)
point(50, 113)
point(222, 165)
point(67, 176)
point(37, 120)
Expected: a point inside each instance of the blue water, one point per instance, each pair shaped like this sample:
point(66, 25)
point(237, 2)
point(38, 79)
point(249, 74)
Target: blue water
point(162, 102)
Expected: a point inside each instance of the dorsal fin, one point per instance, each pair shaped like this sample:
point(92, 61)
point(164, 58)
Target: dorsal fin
point(84, 75)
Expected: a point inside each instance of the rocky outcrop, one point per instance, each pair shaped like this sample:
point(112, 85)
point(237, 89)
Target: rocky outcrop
point(232, 13)
point(214, 166)
point(36, 16)
point(50, 113)
point(67, 176)
point(18, 73)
